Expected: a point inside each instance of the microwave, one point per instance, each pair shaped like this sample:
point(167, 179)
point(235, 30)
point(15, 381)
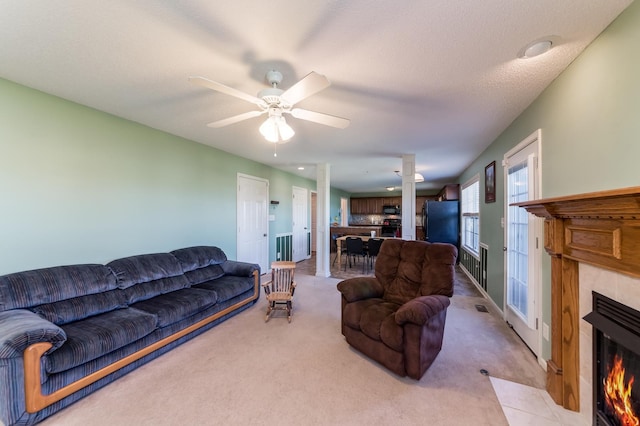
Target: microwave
point(390, 209)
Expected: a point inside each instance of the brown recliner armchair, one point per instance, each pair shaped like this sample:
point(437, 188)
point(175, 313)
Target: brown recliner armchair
point(397, 318)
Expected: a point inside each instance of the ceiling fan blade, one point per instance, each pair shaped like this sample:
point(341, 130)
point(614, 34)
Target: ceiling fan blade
point(311, 84)
point(219, 87)
point(235, 119)
point(318, 117)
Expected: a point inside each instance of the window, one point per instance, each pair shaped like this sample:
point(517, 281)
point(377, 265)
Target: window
point(470, 210)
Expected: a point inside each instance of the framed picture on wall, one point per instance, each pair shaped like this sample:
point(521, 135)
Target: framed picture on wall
point(490, 183)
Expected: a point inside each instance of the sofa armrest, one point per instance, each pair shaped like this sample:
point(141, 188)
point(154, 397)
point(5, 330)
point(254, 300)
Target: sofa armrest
point(20, 329)
point(359, 288)
point(240, 269)
point(421, 309)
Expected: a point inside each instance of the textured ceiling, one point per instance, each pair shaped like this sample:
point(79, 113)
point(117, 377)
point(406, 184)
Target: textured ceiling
point(440, 79)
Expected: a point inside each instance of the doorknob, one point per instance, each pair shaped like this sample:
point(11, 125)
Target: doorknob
point(264, 235)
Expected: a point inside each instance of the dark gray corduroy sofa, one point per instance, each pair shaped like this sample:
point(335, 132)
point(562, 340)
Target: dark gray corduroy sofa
point(67, 331)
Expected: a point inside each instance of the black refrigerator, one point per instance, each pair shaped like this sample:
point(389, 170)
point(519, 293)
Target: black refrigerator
point(441, 222)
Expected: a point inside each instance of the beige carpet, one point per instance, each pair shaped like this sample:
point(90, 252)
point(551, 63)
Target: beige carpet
point(248, 372)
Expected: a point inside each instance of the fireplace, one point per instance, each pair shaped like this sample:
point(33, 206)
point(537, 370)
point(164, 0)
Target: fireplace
point(598, 231)
point(616, 362)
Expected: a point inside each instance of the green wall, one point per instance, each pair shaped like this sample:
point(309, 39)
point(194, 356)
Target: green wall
point(78, 185)
point(590, 133)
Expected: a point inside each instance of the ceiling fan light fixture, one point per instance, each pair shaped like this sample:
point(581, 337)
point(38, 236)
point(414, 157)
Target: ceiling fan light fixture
point(286, 132)
point(275, 128)
point(275, 102)
point(269, 129)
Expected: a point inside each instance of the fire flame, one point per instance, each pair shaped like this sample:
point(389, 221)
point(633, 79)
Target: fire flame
point(618, 395)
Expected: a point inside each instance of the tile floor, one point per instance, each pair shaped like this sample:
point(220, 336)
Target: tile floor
point(525, 405)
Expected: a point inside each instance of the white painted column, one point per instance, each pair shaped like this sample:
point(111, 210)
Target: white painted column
point(323, 186)
point(409, 197)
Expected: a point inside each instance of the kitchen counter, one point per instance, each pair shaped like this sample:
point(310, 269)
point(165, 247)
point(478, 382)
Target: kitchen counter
point(355, 229)
point(338, 231)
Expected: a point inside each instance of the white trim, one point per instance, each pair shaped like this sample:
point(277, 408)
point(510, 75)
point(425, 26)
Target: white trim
point(306, 231)
point(266, 218)
point(481, 290)
point(470, 181)
point(538, 230)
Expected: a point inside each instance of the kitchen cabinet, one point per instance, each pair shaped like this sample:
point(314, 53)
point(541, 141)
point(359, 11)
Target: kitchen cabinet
point(373, 205)
point(367, 205)
point(359, 205)
point(393, 201)
point(449, 192)
point(420, 199)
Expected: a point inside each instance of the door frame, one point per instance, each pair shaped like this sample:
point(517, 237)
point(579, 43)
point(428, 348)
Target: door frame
point(264, 262)
point(314, 220)
point(536, 261)
point(297, 257)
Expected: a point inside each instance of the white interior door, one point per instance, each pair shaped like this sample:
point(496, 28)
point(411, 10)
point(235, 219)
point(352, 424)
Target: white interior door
point(522, 238)
point(300, 223)
point(253, 221)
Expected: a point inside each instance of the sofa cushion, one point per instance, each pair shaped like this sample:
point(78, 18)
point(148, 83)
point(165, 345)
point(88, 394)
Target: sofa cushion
point(405, 267)
point(66, 311)
point(376, 319)
point(154, 288)
point(47, 285)
point(438, 274)
point(228, 286)
point(177, 305)
point(134, 270)
point(192, 258)
point(92, 337)
point(378, 322)
point(201, 275)
point(353, 311)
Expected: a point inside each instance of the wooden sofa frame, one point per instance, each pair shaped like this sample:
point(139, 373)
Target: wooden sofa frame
point(35, 400)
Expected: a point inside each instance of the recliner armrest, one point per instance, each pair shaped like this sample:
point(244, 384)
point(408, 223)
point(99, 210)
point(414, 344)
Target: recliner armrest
point(421, 309)
point(359, 288)
point(20, 328)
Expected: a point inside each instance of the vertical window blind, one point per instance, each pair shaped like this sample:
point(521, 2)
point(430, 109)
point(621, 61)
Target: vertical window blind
point(470, 210)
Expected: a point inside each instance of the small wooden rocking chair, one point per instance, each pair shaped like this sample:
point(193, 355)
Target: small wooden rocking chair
point(279, 291)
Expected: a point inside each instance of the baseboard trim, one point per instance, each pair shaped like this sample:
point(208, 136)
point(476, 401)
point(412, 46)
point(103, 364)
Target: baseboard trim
point(481, 290)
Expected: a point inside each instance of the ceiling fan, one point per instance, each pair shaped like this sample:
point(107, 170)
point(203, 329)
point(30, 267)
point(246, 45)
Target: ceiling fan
point(275, 102)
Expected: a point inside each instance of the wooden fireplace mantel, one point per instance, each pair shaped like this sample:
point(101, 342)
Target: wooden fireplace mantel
point(599, 228)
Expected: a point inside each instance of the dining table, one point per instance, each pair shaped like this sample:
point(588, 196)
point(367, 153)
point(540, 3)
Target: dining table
point(342, 239)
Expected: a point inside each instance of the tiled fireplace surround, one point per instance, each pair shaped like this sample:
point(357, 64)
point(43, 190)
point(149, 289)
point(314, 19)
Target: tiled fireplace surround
point(624, 289)
point(594, 243)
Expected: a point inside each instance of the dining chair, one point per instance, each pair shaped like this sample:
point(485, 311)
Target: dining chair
point(343, 249)
point(373, 248)
point(355, 249)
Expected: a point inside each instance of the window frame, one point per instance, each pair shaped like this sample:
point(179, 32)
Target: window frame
point(470, 209)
